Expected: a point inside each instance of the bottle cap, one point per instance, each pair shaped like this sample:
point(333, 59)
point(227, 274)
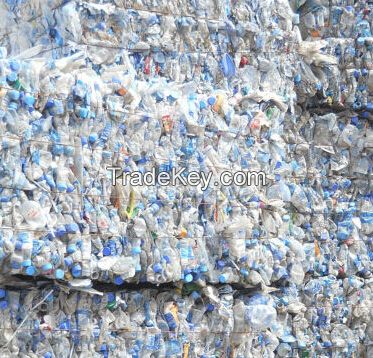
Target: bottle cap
point(106, 251)
point(76, 270)
point(29, 100)
point(211, 101)
point(30, 271)
point(47, 267)
point(118, 280)
point(136, 250)
point(72, 228)
point(220, 264)
point(188, 278)
point(59, 274)
point(157, 268)
point(71, 248)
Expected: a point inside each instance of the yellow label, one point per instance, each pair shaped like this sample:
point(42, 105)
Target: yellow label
point(174, 313)
point(186, 350)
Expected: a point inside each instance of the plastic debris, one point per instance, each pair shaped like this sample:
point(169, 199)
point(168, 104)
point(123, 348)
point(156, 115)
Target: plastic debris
point(281, 268)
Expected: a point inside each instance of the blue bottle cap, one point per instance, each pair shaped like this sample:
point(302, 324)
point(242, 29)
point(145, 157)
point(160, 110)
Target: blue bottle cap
point(210, 307)
point(222, 279)
point(49, 104)
point(29, 100)
point(297, 79)
point(106, 251)
point(220, 264)
point(47, 267)
point(360, 41)
point(61, 231)
point(71, 248)
point(59, 274)
point(47, 355)
point(157, 268)
point(72, 228)
point(355, 120)
point(70, 189)
point(30, 271)
point(92, 138)
point(211, 101)
point(12, 77)
point(188, 278)
point(76, 270)
point(111, 297)
point(118, 280)
point(136, 250)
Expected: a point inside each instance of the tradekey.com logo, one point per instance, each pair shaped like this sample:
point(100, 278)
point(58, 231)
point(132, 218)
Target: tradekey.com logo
point(182, 177)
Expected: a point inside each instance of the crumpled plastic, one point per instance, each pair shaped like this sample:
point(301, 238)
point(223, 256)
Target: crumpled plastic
point(270, 86)
point(191, 322)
